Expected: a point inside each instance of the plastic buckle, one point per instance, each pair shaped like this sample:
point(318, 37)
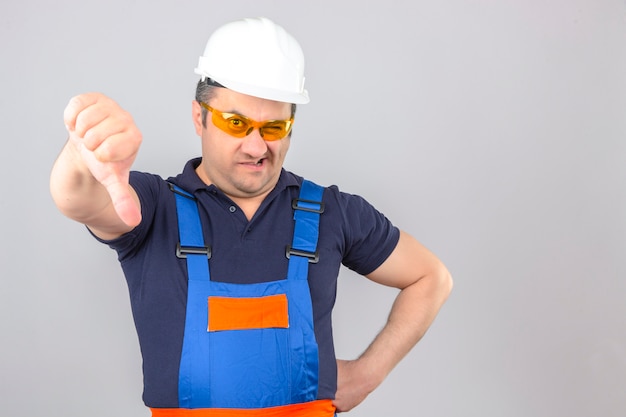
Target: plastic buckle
point(183, 251)
point(313, 257)
point(295, 204)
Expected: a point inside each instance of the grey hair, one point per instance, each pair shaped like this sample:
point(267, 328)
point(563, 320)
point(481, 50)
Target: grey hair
point(205, 92)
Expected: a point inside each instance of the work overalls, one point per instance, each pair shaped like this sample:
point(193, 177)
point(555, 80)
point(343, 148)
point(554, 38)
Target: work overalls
point(249, 349)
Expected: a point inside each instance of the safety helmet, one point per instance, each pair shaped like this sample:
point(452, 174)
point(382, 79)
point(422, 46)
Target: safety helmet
point(258, 58)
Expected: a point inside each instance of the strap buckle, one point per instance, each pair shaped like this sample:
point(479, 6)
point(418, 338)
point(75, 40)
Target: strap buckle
point(308, 205)
point(313, 257)
point(183, 251)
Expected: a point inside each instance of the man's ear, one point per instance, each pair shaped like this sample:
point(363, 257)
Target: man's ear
point(196, 116)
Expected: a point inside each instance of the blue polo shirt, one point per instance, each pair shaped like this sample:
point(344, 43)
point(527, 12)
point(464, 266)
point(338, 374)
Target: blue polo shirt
point(352, 233)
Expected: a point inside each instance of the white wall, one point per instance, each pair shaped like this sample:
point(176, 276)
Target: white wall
point(493, 131)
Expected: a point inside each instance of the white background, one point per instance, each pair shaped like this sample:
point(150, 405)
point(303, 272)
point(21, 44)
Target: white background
point(492, 130)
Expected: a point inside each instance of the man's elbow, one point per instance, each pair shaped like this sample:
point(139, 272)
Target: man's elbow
point(444, 282)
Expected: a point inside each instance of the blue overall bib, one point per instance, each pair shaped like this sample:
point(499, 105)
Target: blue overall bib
point(249, 346)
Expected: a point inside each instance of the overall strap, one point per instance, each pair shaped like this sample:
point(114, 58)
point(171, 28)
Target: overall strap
point(307, 210)
point(191, 244)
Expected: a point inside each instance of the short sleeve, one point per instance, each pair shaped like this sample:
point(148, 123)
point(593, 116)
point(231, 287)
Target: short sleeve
point(370, 236)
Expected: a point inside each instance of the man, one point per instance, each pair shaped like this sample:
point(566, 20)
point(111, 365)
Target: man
point(231, 296)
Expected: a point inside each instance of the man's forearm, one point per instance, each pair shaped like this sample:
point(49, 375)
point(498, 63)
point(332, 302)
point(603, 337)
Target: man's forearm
point(412, 313)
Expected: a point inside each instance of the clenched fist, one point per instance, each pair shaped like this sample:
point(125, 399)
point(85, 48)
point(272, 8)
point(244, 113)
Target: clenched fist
point(107, 139)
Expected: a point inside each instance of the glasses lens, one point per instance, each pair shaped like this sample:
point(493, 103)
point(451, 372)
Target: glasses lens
point(275, 130)
point(233, 124)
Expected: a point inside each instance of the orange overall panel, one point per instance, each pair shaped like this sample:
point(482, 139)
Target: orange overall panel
point(226, 313)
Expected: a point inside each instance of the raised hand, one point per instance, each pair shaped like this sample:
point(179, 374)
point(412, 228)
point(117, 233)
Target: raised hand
point(107, 139)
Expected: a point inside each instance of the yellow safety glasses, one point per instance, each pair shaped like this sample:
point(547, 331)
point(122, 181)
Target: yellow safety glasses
point(241, 126)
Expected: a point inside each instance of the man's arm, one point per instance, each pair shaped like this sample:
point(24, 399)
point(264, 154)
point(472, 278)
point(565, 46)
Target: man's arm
point(89, 180)
point(424, 284)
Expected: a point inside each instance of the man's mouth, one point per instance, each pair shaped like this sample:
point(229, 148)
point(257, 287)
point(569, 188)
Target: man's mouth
point(255, 163)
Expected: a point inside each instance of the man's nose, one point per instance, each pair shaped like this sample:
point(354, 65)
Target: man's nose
point(253, 144)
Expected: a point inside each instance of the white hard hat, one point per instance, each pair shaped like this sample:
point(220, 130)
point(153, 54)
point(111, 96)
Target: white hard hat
point(258, 58)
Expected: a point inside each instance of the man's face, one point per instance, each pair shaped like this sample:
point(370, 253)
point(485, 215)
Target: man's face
point(241, 167)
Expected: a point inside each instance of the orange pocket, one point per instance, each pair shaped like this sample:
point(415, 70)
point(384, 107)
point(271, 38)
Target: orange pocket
point(226, 313)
